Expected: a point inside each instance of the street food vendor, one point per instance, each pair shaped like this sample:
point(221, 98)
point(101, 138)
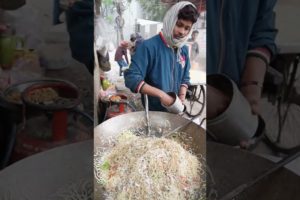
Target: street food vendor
point(161, 64)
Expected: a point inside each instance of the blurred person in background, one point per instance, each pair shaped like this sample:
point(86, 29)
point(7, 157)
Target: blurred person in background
point(135, 40)
point(194, 46)
point(121, 52)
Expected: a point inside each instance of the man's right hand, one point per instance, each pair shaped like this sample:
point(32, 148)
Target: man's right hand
point(166, 99)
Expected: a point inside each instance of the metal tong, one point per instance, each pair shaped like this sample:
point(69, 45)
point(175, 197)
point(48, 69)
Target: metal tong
point(147, 114)
point(181, 126)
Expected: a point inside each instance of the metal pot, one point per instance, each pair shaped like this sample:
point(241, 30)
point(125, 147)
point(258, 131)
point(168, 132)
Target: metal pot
point(16, 107)
point(63, 88)
point(236, 123)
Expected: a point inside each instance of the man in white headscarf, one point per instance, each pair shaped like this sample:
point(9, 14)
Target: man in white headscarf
point(161, 64)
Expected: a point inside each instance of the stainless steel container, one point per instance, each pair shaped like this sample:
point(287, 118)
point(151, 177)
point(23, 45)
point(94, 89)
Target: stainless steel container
point(237, 122)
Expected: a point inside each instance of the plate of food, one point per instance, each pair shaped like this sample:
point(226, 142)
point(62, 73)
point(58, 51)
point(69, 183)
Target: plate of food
point(53, 95)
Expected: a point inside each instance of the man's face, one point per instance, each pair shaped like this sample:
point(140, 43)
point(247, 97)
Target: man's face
point(182, 28)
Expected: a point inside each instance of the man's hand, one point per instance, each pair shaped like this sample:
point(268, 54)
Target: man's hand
point(182, 93)
point(166, 99)
point(254, 71)
point(253, 95)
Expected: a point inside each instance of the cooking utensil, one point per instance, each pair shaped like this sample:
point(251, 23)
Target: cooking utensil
point(116, 104)
point(76, 168)
point(16, 107)
point(65, 90)
point(181, 126)
point(273, 169)
point(177, 106)
point(67, 98)
point(237, 122)
point(111, 128)
point(232, 167)
point(147, 114)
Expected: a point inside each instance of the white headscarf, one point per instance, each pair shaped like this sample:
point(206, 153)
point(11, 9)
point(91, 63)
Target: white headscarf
point(169, 23)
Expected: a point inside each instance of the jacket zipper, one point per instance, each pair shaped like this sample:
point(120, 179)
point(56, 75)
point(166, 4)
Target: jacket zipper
point(173, 67)
point(222, 36)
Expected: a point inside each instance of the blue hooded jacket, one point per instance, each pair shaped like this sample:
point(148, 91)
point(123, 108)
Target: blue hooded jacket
point(234, 28)
point(156, 64)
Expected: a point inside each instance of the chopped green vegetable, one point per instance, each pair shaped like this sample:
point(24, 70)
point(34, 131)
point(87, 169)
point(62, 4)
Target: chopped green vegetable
point(105, 166)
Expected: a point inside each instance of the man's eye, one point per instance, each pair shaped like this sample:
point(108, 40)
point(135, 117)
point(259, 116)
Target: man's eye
point(179, 25)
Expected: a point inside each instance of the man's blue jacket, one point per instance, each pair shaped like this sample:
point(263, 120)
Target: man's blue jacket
point(156, 64)
point(234, 28)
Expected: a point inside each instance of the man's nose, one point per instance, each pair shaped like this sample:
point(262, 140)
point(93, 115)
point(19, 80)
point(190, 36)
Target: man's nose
point(181, 31)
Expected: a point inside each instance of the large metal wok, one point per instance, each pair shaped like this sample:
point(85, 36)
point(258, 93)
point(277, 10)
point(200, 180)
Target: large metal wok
point(136, 120)
point(159, 120)
point(232, 167)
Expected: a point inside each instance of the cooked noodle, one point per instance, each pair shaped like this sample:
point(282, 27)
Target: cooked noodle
point(14, 97)
point(43, 95)
point(149, 168)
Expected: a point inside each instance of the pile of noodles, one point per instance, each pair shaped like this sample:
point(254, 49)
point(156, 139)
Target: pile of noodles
point(149, 168)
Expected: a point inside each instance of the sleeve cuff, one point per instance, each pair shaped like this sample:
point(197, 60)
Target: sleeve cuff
point(140, 85)
point(185, 85)
point(260, 52)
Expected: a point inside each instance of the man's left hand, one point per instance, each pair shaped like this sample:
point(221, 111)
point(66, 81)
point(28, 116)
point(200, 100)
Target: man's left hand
point(182, 93)
point(253, 95)
point(255, 69)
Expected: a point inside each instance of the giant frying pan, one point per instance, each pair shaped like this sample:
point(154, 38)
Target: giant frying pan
point(159, 120)
point(136, 120)
point(232, 167)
